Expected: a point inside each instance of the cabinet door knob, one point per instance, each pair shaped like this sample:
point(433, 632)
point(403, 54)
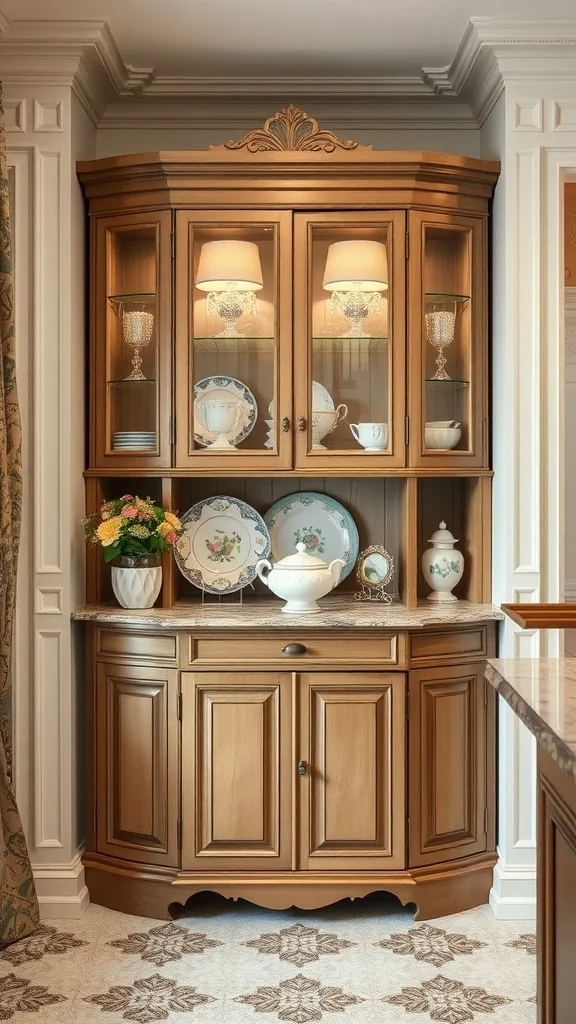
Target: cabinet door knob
point(293, 649)
point(302, 767)
point(302, 424)
point(285, 424)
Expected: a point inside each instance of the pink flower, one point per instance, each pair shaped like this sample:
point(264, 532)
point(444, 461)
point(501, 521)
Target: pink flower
point(126, 497)
point(171, 537)
point(130, 512)
point(215, 548)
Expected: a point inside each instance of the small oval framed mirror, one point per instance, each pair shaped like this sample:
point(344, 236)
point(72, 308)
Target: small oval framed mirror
point(374, 569)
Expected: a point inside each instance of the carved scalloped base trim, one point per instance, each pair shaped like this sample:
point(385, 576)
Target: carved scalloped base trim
point(437, 891)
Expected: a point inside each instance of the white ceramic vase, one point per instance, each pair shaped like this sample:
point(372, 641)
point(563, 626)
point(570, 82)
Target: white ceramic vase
point(136, 586)
point(442, 566)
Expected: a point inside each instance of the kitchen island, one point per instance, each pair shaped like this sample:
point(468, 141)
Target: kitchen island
point(542, 693)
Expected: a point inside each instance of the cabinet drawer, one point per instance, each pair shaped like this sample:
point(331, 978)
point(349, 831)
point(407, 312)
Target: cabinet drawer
point(457, 645)
point(292, 650)
point(154, 647)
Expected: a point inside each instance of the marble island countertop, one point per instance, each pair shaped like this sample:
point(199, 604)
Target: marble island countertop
point(542, 693)
point(336, 613)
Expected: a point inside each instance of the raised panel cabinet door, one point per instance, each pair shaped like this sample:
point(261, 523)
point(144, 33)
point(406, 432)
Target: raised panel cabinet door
point(351, 770)
point(236, 771)
point(137, 763)
point(447, 767)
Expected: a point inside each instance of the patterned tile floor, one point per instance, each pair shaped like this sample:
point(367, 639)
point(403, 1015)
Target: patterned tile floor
point(361, 963)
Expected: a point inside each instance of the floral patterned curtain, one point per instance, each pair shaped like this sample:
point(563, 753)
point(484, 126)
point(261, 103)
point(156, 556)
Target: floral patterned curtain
point(18, 904)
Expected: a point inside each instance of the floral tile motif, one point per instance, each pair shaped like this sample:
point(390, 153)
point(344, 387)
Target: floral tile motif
point(18, 995)
point(299, 1000)
point(45, 940)
point(299, 945)
point(527, 942)
point(165, 943)
point(431, 945)
point(446, 1000)
point(149, 999)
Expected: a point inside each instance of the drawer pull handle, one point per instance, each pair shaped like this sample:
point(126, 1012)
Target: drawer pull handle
point(302, 424)
point(302, 767)
point(294, 649)
point(285, 424)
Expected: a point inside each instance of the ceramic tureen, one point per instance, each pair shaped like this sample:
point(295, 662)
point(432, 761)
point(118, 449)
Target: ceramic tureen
point(300, 579)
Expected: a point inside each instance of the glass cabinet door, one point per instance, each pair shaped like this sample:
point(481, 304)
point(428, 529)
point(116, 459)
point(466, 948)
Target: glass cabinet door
point(448, 373)
point(349, 286)
point(131, 396)
point(233, 325)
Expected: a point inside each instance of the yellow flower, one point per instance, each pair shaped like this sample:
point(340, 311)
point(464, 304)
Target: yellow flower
point(173, 521)
point(164, 528)
point(109, 531)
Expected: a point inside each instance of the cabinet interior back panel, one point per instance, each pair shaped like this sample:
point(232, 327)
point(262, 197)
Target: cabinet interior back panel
point(375, 504)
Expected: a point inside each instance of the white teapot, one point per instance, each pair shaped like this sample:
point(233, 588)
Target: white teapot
point(300, 580)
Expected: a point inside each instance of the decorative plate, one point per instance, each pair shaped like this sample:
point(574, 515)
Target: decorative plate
point(221, 541)
point(321, 398)
point(224, 388)
point(321, 523)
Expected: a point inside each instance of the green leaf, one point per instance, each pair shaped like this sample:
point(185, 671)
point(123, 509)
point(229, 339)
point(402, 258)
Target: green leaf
point(110, 553)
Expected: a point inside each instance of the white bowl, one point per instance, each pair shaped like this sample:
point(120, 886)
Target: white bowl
point(441, 434)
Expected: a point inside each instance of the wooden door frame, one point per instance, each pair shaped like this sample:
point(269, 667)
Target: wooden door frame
point(419, 457)
point(324, 463)
point(244, 459)
point(100, 457)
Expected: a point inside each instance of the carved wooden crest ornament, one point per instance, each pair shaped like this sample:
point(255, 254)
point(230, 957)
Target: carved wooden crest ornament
point(291, 130)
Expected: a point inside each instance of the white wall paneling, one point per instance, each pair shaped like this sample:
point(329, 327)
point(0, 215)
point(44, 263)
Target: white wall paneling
point(48, 222)
point(534, 134)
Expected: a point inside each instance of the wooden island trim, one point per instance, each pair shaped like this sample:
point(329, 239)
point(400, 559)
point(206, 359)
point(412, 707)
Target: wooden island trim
point(542, 616)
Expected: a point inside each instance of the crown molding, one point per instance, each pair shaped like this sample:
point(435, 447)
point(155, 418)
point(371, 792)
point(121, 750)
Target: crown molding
point(342, 113)
point(84, 55)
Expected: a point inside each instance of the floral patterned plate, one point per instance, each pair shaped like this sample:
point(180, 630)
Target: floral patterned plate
point(221, 541)
point(321, 523)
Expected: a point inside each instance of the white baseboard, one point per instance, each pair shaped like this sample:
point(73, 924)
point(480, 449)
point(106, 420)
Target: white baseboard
point(513, 893)
point(61, 889)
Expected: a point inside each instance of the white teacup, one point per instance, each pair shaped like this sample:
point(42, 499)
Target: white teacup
point(324, 422)
point(222, 419)
point(372, 436)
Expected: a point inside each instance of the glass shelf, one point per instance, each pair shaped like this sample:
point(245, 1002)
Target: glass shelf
point(129, 384)
point(445, 297)
point(337, 341)
point(248, 344)
point(448, 383)
point(144, 298)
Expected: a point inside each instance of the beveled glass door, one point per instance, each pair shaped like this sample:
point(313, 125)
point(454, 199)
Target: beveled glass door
point(131, 379)
point(233, 340)
point(349, 390)
point(447, 325)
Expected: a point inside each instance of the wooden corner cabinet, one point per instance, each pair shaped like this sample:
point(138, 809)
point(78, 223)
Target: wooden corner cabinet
point(343, 292)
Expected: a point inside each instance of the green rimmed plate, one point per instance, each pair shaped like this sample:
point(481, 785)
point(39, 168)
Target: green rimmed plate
point(320, 522)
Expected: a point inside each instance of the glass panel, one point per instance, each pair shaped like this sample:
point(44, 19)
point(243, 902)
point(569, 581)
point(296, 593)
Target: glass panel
point(235, 287)
point(350, 288)
point(447, 339)
point(132, 351)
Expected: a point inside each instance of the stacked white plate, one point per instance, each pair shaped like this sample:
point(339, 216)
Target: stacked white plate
point(134, 439)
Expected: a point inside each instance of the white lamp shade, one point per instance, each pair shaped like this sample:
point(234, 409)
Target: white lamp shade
point(356, 265)
point(229, 263)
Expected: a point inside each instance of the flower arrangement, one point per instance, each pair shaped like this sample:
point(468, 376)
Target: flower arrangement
point(132, 526)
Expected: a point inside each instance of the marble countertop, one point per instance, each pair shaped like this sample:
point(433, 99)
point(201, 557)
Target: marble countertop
point(336, 613)
point(542, 692)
